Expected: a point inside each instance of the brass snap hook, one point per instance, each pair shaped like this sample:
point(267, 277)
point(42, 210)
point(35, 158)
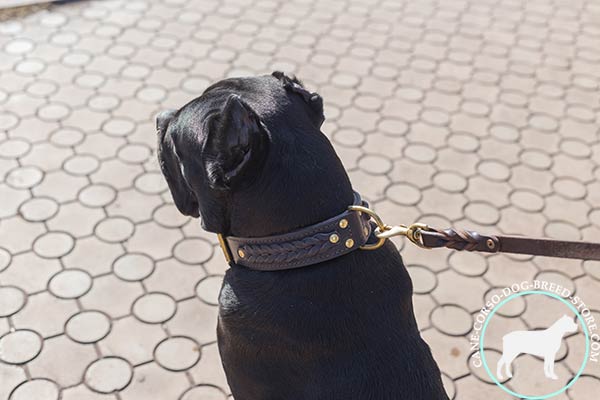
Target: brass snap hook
point(384, 231)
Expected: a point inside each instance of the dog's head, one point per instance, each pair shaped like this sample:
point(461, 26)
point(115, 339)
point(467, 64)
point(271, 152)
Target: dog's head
point(568, 324)
point(246, 143)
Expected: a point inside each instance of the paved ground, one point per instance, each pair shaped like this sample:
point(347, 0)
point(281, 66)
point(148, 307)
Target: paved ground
point(473, 113)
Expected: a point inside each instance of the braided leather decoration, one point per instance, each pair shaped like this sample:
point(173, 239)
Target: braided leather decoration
point(460, 239)
point(288, 251)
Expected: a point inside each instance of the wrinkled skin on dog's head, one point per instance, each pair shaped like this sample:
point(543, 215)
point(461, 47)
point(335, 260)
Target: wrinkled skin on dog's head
point(248, 157)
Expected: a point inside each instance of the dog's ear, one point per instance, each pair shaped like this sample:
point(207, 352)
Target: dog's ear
point(235, 143)
point(171, 167)
point(314, 100)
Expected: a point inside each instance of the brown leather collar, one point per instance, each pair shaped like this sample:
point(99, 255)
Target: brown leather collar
point(313, 244)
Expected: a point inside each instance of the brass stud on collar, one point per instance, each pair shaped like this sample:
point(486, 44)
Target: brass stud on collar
point(241, 253)
point(349, 243)
point(334, 238)
point(343, 223)
point(366, 231)
point(490, 244)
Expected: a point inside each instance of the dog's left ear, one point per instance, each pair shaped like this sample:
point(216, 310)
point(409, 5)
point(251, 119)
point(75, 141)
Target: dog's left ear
point(235, 144)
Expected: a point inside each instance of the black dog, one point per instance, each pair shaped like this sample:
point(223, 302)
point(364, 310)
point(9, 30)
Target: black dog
point(248, 157)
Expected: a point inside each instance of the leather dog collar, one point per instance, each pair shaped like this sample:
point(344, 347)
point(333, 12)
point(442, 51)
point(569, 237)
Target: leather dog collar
point(313, 244)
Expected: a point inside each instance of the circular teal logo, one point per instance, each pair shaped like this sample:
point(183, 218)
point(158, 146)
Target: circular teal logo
point(581, 321)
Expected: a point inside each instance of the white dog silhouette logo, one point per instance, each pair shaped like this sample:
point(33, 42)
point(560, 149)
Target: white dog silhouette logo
point(544, 343)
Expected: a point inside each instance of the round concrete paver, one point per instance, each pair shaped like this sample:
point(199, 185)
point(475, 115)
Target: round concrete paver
point(204, 392)
point(208, 289)
point(482, 213)
point(97, 195)
point(134, 153)
point(403, 194)
point(375, 164)
point(133, 267)
point(5, 259)
point(14, 148)
point(67, 137)
point(24, 177)
point(82, 165)
point(115, 229)
point(468, 264)
point(154, 308)
point(527, 200)
point(424, 281)
point(88, 327)
point(169, 216)
point(451, 320)
point(108, 375)
point(177, 353)
point(53, 244)
point(39, 209)
point(450, 182)
point(558, 278)
point(150, 183)
point(53, 112)
point(12, 299)
point(70, 284)
point(193, 251)
point(19, 347)
point(38, 389)
point(119, 127)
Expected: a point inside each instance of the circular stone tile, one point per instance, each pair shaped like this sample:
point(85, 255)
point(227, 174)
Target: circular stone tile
point(19, 347)
point(88, 327)
point(168, 216)
point(150, 183)
point(70, 284)
point(482, 213)
point(39, 209)
point(177, 353)
point(450, 182)
point(97, 195)
point(424, 281)
point(468, 264)
point(204, 392)
point(527, 200)
point(349, 137)
point(544, 123)
point(67, 137)
point(76, 58)
point(5, 259)
point(463, 142)
point(513, 308)
point(195, 84)
point(103, 102)
point(494, 170)
point(536, 159)
point(114, 229)
point(118, 127)
point(30, 67)
point(134, 153)
point(420, 153)
point(53, 112)
point(575, 148)
point(18, 46)
point(154, 308)
point(81, 165)
point(557, 277)
point(151, 94)
point(562, 231)
point(38, 389)
point(193, 251)
point(393, 127)
point(569, 188)
point(12, 300)
point(133, 267)
point(24, 177)
point(375, 164)
point(451, 320)
point(591, 267)
point(108, 375)
point(90, 80)
point(53, 244)
point(404, 194)
point(505, 133)
point(14, 148)
point(208, 289)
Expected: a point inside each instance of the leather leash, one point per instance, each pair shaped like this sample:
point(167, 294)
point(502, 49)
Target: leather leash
point(359, 227)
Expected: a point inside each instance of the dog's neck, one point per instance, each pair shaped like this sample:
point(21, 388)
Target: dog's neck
point(303, 189)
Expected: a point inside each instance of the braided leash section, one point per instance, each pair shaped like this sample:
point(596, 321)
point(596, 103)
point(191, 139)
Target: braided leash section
point(460, 239)
point(288, 251)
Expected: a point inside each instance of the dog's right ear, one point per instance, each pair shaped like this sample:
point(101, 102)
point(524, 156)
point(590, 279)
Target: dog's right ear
point(314, 100)
point(235, 145)
point(171, 167)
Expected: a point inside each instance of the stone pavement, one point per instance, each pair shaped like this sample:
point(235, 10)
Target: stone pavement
point(470, 113)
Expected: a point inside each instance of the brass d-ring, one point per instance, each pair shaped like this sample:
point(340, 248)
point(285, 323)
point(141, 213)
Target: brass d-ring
point(381, 226)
